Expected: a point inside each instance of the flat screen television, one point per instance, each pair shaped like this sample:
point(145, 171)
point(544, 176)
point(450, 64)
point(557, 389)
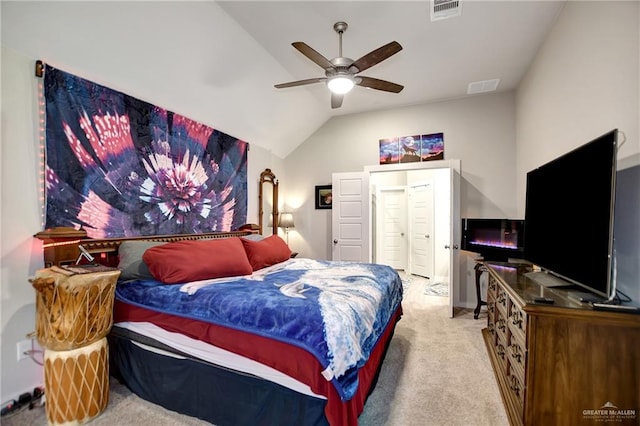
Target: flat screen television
point(569, 212)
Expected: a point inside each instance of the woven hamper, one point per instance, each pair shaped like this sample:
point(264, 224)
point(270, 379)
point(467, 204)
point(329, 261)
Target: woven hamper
point(73, 310)
point(76, 383)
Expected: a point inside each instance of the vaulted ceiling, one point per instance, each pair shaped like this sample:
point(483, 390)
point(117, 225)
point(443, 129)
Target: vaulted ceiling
point(488, 40)
point(217, 62)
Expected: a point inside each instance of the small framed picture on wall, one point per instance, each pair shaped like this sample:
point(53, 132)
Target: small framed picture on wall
point(324, 197)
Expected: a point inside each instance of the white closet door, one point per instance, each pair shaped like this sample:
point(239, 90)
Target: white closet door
point(421, 256)
point(391, 226)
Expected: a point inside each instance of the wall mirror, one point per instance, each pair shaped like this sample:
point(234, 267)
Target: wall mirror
point(268, 202)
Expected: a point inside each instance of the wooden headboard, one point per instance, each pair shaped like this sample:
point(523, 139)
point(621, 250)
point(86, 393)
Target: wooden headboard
point(60, 245)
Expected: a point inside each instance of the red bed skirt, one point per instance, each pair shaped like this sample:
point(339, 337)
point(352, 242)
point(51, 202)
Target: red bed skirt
point(291, 360)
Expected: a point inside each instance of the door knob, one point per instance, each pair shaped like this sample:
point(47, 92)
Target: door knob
point(402, 234)
point(426, 235)
point(447, 246)
point(335, 241)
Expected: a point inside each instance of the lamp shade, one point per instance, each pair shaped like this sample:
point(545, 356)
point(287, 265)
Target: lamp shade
point(286, 220)
point(340, 84)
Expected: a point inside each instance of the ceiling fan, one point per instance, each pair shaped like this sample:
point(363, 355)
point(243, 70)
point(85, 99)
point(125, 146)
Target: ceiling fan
point(341, 73)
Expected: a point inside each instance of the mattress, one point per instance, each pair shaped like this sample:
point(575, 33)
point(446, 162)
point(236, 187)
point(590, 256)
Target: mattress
point(178, 345)
point(317, 329)
point(219, 395)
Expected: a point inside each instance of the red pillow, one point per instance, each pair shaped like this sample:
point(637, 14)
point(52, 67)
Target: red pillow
point(195, 260)
point(266, 252)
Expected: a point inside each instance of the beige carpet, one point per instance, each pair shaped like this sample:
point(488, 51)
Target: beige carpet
point(437, 372)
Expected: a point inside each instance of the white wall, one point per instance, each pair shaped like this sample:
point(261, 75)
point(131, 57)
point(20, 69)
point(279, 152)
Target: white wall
point(187, 56)
point(583, 83)
point(480, 131)
point(21, 218)
point(258, 160)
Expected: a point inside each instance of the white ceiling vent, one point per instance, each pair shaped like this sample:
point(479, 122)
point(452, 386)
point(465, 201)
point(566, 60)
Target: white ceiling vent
point(443, 9)
point(483, 86)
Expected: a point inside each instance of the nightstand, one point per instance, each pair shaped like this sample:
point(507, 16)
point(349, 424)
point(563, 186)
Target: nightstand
point(74, 313)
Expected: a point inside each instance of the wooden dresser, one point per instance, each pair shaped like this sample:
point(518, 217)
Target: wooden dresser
point(560, 364)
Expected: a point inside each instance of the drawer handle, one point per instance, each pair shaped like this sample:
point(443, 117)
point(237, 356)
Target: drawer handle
point(516, 353)
point(515, 386)
point(502, 297)
point(516, 319)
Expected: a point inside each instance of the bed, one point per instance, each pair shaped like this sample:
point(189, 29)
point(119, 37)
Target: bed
point(230, 329)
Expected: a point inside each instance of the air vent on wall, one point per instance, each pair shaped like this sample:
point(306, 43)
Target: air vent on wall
point(443, 9)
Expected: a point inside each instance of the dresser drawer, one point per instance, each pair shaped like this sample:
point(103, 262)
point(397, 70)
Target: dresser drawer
point(517, 320)
point(516, 387)
point(492, 287)
point(491, 317)
point(501, 326)
point(502, 300)
point(517, 355)
point(501, 352)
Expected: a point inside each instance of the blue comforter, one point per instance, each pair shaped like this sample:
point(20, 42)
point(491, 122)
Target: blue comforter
point(335, 310)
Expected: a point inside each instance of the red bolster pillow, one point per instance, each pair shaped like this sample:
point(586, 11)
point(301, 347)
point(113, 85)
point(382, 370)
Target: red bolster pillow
point(194, 260)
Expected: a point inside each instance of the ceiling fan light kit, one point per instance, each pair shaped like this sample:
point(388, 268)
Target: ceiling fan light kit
point(341, 84)
point(341, 71)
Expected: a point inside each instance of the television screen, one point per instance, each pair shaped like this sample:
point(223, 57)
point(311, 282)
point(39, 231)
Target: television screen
point(569, 214)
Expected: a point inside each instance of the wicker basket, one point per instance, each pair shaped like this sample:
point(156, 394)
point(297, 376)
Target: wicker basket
point(73, 310)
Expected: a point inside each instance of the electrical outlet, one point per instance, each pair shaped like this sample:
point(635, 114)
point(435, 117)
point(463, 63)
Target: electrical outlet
point(23, 347)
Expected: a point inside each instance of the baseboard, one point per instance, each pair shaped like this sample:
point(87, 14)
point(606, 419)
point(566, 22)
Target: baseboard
point(466, 305)
point(440, 279)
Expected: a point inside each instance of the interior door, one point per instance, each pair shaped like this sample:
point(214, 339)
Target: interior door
point(453, 167)
point(350, 219)
point(421, 255)
point(391, 226)
point(454, 233)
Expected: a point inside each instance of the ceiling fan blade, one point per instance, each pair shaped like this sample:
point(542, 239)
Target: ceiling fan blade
point(310, 53)
point(336, 100)
point(378, 55)
point(300, 82)
point(374, 83)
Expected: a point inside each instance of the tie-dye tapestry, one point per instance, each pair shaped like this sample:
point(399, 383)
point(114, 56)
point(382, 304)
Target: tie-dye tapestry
point(118, 167)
